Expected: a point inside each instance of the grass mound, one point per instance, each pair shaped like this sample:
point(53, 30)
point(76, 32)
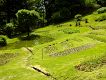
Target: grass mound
point(101, 38)
point(6, 57)
point(70, 31)
point(92, 64)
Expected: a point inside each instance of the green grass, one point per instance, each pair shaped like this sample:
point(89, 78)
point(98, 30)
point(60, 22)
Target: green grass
point(53, 39)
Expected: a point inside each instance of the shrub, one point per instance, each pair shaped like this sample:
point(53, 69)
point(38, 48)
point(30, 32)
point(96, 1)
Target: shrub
point(101, 10)
point(3, 41)
point(78, 16)
point(92, 4)
point(9, 29)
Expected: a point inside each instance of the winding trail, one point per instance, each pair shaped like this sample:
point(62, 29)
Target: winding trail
point(30, 53)
point(37, 67)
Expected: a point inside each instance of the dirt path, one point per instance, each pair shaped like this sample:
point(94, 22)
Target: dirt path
point(30, 53)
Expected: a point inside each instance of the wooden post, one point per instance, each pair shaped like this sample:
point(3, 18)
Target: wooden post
point(42, 53)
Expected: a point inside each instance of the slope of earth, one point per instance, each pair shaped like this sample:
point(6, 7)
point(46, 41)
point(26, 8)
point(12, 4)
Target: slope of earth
point(58, 52)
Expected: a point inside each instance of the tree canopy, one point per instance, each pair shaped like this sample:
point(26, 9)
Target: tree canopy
point(27, 19)
point(53, 11)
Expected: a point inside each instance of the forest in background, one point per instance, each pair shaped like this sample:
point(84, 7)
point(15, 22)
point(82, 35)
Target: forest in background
point(23, 16)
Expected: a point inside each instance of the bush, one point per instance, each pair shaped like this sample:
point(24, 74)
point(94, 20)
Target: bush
point(89, 3)
point(9, 29)
point(27, 19)
point(3, 41)
point(101, 10)
point(78, 16)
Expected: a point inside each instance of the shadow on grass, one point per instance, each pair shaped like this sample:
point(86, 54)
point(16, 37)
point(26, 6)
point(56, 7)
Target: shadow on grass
point(30, 41)
point(31, 37)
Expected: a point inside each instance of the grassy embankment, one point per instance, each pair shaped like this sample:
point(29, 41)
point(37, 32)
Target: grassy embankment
point(69, 53)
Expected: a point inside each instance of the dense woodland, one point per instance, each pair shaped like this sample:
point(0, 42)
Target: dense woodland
point(45, 11)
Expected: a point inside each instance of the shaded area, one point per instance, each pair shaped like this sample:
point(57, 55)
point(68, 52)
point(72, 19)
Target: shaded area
point(28, 42)
point(31, 37)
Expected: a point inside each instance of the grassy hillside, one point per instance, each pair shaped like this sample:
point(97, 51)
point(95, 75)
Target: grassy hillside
point(57, 52)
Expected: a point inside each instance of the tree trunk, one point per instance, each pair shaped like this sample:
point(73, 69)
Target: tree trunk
point(28, 32)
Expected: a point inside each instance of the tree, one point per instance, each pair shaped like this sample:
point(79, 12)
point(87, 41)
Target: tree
point(27, 20)
point(101, 2)
point(10, 7)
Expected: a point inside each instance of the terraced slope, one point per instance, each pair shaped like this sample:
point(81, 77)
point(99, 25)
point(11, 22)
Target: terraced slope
point(57, 52)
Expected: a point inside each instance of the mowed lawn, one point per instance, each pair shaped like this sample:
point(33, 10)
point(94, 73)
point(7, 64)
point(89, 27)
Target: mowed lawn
point(64, 52)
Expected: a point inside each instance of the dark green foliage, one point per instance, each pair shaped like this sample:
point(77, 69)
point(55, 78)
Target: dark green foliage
point(101, 10)
point(70, 31)
point(2, 42)
point(54, 10)
point(90, 3)
point(61, 15)
point(101, 2)
point(27, 20)
point(56, 17)
point(9, 29)
point(67, 9)
point(78, 18)
point(86, 20)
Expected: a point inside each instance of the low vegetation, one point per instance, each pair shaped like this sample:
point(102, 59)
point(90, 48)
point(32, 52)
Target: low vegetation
point(62, 51)
point(32, 49)
point(6, 57)
point(2, 42)
point(92, 65)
